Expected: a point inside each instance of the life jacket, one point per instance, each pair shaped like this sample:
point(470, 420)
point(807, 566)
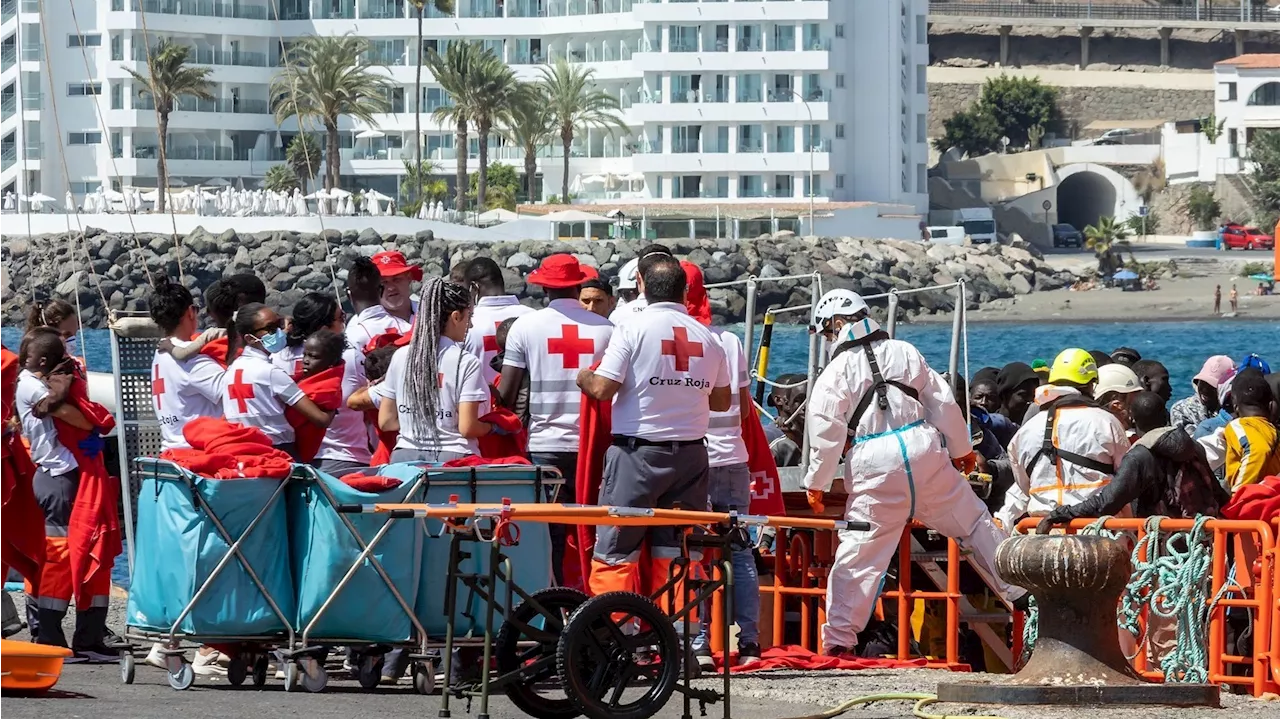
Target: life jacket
point(879, 385)
point(1056, 454)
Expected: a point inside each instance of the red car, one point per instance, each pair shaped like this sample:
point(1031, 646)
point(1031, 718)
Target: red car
point(1239, 237)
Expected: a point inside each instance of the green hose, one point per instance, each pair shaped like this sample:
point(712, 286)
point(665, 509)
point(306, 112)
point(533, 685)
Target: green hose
point(921, 700)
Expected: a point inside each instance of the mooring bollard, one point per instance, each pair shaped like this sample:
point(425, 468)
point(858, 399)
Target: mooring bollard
point(1077, 581)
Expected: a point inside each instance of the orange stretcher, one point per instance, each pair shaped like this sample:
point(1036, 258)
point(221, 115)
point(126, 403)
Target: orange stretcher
point(27, 667)
point(596, 515)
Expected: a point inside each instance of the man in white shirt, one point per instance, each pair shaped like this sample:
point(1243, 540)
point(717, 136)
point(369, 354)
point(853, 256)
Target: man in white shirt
point(394, 311)
point(492, 307)
point(666, 373)
point(630, 280)
point(550, 347)
point(181, 390)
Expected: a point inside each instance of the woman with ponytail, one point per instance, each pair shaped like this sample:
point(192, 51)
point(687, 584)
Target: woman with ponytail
point(434, 392)
point(315, 311)
point(62, 317)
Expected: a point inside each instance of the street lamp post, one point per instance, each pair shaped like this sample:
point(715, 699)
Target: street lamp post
point(808, 110)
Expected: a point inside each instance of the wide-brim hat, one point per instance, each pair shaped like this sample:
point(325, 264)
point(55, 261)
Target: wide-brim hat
point(392, 263)
point(561, 271)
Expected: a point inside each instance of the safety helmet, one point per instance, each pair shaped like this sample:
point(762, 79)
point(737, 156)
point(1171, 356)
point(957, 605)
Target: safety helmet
point(836, 303)
point(627, 275)
point(1073, 365)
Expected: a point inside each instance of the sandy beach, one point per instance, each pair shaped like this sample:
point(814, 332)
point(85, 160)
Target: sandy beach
point(1186, 297)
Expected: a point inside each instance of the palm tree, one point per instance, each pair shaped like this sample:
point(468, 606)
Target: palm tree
point(1107, 239)
point(325, 77)
point(168, 78)
point(303, 155)
point(574, 103)
point(528, 125)
point(494, 87)
point(280, 178)
point(416, 183)
point(455, 72)
point(444, 6)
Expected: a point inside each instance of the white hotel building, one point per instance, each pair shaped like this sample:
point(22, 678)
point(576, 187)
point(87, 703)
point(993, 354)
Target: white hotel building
point(727, 100)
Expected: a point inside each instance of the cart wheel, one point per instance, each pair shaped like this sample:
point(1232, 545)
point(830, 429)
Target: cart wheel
point(527, 643)
point(601, 666)
point(291, 678)
point(183, 678)
point(127, 667)
point(370, 671)
point(237, 670)
point(314, 677)
point(260, 665)
point(424, 678)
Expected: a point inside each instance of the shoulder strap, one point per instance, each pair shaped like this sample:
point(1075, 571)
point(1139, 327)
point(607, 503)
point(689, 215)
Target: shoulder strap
point(879, 386)
point(1052, 451)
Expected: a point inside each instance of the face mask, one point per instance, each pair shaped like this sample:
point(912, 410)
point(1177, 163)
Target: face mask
point(72, 344)
point(275, 341)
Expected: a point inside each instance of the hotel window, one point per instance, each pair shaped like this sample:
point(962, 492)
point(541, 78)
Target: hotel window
point(84, 138)
point(82, 89)
point(92, 40)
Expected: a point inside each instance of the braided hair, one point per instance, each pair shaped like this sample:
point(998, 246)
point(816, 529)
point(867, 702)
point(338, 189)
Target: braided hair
point(438, 300)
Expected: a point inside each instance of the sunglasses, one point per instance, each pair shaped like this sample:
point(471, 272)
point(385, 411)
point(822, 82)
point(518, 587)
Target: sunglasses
point(269, 327)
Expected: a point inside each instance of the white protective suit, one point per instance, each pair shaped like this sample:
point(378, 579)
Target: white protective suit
point(898, 468)
point(1091, 432)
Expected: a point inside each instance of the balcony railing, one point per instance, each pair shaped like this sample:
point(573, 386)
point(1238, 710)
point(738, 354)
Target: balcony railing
point(220, 104)
point(199, 8)
point(1242, 12)
point(31, 6)
point(8, 57)
point(8, 106)
point(32, 54)
point(208, 153)
point(32, 100)
point(750, 146)
point(209, 56)
point(8, 9)
point(384, 11)
point(750, 95)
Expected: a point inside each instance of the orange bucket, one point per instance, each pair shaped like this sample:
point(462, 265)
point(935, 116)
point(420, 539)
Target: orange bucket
point(30, 667)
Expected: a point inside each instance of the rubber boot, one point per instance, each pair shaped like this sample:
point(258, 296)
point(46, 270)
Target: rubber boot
point(91, 630)
point(48, 627)
point(12, 622)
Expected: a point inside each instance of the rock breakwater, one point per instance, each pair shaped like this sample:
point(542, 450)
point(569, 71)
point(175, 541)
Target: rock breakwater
point(112, 271)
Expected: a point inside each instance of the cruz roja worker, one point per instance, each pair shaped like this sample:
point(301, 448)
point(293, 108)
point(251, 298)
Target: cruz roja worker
point(668, 373)
point(904, 432)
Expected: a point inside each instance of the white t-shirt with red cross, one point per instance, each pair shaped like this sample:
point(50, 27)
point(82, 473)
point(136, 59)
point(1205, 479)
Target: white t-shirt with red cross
point(347, 437)
point(372, 322)
point(458, 380)
point(725, 447)
point(667, 363)
point(552, 345)
point(255, 393)
point(46, 451)
point(625, 311)
point(182, 391)
point(288, 359)
point(482, 339)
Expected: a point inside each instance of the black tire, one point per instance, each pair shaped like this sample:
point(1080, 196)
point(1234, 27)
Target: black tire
point(369, 673)
point(127, 667)
point(237, 670)
point(595, 658)
point(560, 603)
point(260, 665)
point(424, 678)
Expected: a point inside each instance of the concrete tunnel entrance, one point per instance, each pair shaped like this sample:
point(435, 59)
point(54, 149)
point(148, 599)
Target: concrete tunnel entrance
point(1084, 197)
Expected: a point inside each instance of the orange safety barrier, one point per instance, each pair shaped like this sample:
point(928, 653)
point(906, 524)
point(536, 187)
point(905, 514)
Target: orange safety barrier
point(1259, 583)
point(801, 561)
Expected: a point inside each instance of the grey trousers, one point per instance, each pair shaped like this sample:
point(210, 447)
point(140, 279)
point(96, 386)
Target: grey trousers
point(652, 477)
point(424, 455)
point(337, 467)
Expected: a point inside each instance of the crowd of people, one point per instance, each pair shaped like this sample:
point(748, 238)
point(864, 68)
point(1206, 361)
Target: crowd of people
point(467, 370)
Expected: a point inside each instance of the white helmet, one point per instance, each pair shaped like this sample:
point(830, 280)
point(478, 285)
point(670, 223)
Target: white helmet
point(627, 276)
point(836, 303)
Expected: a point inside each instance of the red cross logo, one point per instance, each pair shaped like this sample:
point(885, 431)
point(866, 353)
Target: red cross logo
point(157, 387)
point(239, 391)
point(571, 347)
point(761, 485)
point(386, 259)
point(440, 380)
point(681, 349)
point(491, 341)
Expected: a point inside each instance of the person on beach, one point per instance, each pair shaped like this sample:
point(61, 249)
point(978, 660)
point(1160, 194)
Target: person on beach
point(1069, 449)
point(492, 305)
point(910, 453)
point(1189, 412)
point(1217, 299)
point(394, 311)
point(1234, 299)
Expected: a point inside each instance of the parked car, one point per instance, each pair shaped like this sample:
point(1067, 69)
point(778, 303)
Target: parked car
point(1238, 237)
point(1065, 235)
point(1114, 137)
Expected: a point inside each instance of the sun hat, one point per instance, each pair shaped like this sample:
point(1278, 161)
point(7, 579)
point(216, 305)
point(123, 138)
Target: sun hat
point(391, 263)
point(1216, 370)
point(561, 271)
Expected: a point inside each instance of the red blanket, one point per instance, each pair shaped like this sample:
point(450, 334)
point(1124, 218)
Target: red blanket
point(222, 450)
point(1255, 501)
point(93, 536)
point(325, 389)
point(793, 657)
point(386, 440)
point(22, 546)
point(766, 488)
point(596, 436)
point(473, 461)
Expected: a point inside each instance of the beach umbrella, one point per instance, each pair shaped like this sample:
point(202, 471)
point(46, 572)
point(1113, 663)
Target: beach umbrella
point(320, 194)
point(70, 202)
point(370, 134)
point(1125, 275)
point(424, 211)
point(374, 208)
point(177, 182)
point(219, 182)
point(1262, 278)
point(10, 201)
point(351, 205)
point(375, 195)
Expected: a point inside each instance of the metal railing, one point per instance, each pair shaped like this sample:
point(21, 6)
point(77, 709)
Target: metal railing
point(209, 56)
point(220, 104)
point(1245, 12)
point(8, 9)
point(200, 8)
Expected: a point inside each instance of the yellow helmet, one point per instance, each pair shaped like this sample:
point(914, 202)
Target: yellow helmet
point(1073, 365)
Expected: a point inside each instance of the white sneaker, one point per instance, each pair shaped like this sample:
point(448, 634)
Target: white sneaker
point(155, 657)
point(207, 665)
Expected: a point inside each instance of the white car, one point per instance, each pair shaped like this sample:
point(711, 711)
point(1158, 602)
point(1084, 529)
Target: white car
point(1114, 137)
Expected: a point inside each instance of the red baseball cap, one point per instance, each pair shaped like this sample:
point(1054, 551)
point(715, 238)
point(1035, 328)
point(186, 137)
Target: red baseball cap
point(561, 271)
point(392, 263)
